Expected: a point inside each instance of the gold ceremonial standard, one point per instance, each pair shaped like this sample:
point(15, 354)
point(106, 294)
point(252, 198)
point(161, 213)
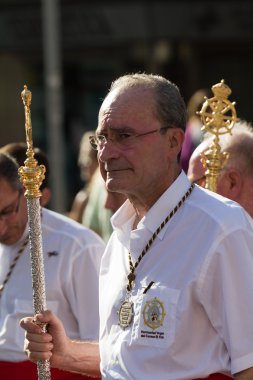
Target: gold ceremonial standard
point(31, 176)
point(218, 116)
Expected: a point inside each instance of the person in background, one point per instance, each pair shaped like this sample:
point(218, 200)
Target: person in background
point(18, 151)
point(72, 255)
point(236, 178)
point(176, 284)
point(93, 205)
point(193, 133)
point(88, 163)
point(96, 216)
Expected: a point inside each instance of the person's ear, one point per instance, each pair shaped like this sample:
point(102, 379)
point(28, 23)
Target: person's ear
point(45, 197)
point(230, 184)
point(175, 139)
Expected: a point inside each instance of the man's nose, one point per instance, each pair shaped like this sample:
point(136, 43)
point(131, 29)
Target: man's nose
point(108, 151)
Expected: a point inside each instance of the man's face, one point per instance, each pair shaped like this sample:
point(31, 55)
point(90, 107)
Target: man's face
point(140, 168)
point(13, 215)
point(196, 170)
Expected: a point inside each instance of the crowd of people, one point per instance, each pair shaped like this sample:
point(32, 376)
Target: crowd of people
point(170, 295)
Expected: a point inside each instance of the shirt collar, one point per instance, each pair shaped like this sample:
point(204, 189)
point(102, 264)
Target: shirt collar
point(123, 219)
point(165, 204)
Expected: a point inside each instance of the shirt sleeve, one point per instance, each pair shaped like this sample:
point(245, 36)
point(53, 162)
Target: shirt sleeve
point(227, 295)
point(82, 288)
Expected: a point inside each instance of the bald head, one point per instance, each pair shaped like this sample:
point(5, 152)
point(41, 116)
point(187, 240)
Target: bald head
point(196, 170)
point(236, 179)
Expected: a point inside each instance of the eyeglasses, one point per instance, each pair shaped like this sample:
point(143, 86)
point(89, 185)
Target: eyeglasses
point(9, 211)
point(123, 139)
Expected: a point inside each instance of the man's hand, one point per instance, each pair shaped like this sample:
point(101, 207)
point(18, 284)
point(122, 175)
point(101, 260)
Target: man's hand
point(40, 345)
point(54, 345)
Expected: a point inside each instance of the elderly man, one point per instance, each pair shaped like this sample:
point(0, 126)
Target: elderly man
point(72, 257)
point(236, 179)
point(170, 307)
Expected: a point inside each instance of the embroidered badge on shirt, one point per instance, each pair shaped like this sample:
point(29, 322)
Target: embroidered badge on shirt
point(153, 313)
point(155, 316)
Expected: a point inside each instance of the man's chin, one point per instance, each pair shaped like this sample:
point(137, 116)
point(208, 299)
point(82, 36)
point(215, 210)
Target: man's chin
point(114, 186)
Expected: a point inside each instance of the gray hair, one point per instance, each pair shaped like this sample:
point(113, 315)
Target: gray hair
point(9, 171)
point(170, 106)
point(239, 145)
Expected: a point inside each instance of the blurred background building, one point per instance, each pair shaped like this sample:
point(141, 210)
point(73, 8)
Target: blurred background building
point(69, 51)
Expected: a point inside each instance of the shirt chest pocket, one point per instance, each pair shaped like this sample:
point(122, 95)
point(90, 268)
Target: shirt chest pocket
point(155, 317)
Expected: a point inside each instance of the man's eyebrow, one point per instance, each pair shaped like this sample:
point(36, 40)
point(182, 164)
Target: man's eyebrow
point(120, 129)
point(123, 129)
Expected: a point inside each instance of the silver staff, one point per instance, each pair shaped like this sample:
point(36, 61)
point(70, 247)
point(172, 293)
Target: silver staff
point(31, 176)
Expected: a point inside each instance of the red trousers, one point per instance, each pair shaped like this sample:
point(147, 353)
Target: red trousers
point(28, 371)
point(216, 376)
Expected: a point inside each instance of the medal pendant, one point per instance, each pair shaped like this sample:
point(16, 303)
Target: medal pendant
point(1, 287)
point(126, 314)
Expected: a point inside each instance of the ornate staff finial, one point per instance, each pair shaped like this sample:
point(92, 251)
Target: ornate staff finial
point(218, 116)
point(31, 175)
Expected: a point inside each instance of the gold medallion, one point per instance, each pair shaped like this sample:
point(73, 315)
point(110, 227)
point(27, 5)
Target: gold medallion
point(126, 314)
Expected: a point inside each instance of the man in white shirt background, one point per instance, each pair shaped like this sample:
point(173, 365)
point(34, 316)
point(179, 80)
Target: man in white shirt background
point(72, 255)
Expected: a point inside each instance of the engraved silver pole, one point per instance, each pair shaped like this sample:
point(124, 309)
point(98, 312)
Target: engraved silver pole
point(31, 176)
point(37, 269)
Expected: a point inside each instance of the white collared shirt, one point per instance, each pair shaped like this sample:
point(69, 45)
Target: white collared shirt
point(196, 319)
point(72, 256)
